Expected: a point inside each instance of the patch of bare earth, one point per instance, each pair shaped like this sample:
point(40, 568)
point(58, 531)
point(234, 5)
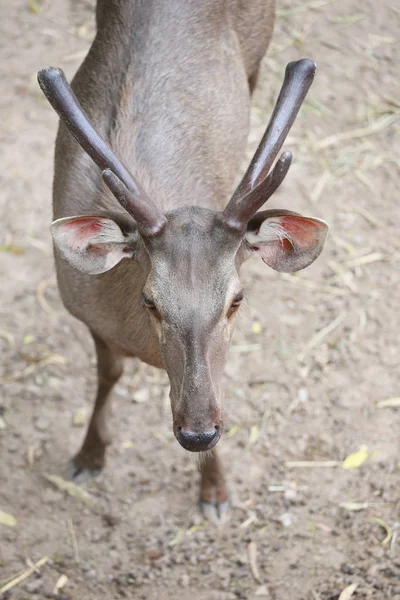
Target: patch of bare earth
point(313, 356)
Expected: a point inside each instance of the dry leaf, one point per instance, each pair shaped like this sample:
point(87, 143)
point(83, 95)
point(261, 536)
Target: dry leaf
point(355, 460)
point(178, 538)
point(7, 519)
point(256, 327)
point(79, 418)
point(254, 435)
point(71, 488)
point(389, 403)
point(347, 593)
point(61, 582)
point(128, 445)
point(233, 430)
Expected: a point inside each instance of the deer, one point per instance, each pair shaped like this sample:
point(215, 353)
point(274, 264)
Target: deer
point(149, 229)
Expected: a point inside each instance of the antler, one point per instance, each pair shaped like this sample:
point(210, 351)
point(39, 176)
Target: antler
point(55, 87)
point(257, 185)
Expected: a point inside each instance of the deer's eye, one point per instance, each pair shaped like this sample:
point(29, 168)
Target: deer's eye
point(235, 303)
point(148, 302)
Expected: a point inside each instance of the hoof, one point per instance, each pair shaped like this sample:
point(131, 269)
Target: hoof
point(80, 474)
point(216, 512)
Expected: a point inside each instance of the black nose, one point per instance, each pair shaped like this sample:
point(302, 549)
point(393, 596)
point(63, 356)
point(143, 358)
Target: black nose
point(195, 441)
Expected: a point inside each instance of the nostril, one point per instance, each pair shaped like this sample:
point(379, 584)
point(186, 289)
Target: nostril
point(197, 441)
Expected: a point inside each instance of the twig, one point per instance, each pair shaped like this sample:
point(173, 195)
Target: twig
point(294, 464)
point(252, 551)
point(55, 359)
point(75, 546)
point(320, 335)
point(20, 578)
point(372, 129)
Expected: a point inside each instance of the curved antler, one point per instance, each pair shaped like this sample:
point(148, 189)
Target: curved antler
point(55, 87)
point(257, 185)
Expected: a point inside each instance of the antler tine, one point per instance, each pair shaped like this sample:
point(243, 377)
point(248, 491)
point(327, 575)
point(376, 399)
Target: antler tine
point(55, 87)
point(242, 211)
point(299, 76)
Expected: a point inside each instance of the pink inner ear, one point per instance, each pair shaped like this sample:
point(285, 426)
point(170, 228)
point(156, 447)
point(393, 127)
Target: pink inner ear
point(82, 229)
point(91, 244)
point(304, 242)
point(302, 232)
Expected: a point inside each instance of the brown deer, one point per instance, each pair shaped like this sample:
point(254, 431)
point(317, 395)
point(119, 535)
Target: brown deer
point(148, 254)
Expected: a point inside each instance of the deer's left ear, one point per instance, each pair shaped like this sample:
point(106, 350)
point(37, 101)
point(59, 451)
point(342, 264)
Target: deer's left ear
point(286, 241)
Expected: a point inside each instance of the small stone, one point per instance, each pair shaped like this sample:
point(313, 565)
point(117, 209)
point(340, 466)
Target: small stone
point(285, 519)
point(92, 574)
point(141, 396)
point(262, 592)
point(185, 580)
point(3, 424)
point(290, 495)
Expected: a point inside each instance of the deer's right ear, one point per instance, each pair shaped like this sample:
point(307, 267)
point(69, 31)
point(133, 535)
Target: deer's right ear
point(93, 245)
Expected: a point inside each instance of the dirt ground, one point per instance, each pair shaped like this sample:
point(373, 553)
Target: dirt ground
point(313, 355)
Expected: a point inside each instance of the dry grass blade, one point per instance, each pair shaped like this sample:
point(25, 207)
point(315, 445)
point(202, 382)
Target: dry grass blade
point(71, 488)
point(364, 180)
point(374, 128)
point(320, 186)
point(345, 276)
point(354, 506)
point(295, 464)
point(367, 215)
point(178, 538)
point(366, 259)
point(311, 285)
point(40, 295)
point(249, 521)
point(71, 530)
point(53, 359)
point(389, 403)
point(385, 527)
point(320, 335)
point(252, 552)
point(20, 578)
point(303, 7)
point(30, 454)
point(347, 593)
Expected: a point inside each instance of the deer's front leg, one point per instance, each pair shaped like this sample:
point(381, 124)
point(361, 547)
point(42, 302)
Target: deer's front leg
point(213, 493)
point(91, 458)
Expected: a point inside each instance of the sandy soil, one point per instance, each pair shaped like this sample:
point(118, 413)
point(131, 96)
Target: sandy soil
point(303, 384)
